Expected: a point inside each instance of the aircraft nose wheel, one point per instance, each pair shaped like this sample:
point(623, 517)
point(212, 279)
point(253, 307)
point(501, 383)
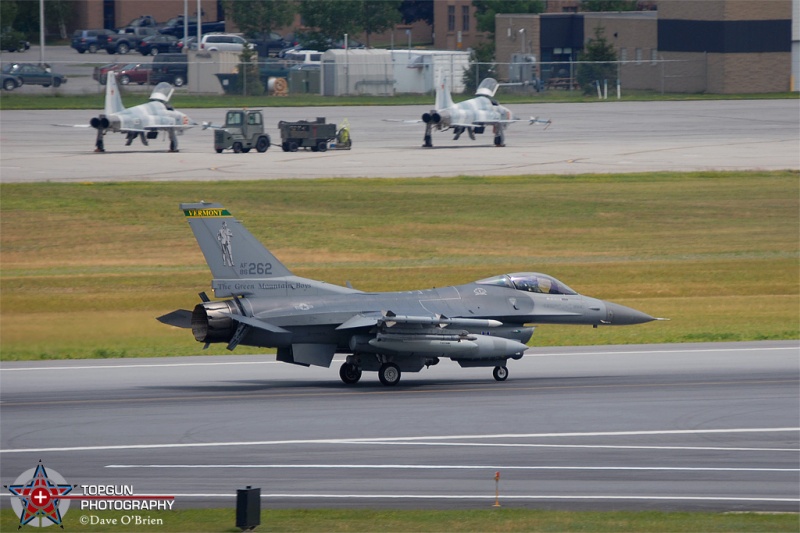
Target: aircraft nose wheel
point(349, 373)
point(500, 373)
point(389, 374)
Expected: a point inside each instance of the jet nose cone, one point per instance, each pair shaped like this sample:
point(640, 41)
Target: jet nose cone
point(619, 315)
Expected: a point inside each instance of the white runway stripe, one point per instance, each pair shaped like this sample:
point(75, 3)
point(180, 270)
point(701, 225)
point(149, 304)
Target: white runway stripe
point(390, 440)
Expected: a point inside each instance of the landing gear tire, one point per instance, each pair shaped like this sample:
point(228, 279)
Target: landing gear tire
point(349, 373)
point(389, 374)
point(427, 142)
point(500, 373)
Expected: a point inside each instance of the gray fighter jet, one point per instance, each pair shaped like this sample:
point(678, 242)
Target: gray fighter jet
point(480, 324)
point(144, 120)
point(472, 116)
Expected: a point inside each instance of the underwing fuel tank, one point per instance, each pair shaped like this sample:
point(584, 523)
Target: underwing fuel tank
point(472, 347)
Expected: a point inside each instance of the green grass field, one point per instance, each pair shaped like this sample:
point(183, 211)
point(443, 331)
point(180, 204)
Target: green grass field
point(502, 520)
point(86, 268)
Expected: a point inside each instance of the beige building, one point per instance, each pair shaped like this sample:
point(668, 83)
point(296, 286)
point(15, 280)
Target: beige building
point(715, 46)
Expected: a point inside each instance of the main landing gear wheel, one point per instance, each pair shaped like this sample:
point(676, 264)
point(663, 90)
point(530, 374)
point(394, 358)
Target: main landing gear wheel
point(389, 374)
point(349, 373)
point(500, 373)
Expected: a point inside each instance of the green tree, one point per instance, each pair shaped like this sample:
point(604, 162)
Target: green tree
point(600, 57)
point(261, 16)
point(481, 66)
point(379, 15)
point(249, 81)
point(8, 12)
point(331, 18)
point(608, 5)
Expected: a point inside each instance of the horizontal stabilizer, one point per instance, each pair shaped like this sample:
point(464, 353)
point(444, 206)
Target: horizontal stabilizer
point(180, 318)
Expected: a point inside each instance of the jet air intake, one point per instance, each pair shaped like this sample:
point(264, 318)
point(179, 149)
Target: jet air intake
point(211, 321)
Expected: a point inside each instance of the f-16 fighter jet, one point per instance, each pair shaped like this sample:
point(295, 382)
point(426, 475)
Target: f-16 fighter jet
point(479, 324)
point(472, 116)
point(144, 121)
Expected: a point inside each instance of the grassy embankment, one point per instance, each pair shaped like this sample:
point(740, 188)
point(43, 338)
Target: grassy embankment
point(86, 268)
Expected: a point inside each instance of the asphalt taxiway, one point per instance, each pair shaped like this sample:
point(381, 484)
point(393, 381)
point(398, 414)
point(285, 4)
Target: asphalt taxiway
point(602, 137)
point(689, 427)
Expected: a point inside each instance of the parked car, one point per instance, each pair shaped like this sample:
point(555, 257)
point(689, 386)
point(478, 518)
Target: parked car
point(121, 43)
point(11, 82)
point(158, 44)
point(100, 74)
point(171, 68)
point(187, 43)
point(140, 73)
point(223, 42)
point(35, 74)
point(90, 40)
point(13, 40)
point(269, 43)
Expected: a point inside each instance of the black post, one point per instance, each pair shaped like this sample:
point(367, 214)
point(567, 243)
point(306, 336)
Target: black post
point(248, 508)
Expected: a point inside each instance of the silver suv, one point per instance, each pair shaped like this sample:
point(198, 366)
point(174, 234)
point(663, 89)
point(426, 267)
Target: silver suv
point(223, 42)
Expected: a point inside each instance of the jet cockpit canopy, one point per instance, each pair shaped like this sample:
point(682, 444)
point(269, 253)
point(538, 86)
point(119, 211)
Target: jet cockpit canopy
point(529, 282)
point(487, 87)
point(162, 92)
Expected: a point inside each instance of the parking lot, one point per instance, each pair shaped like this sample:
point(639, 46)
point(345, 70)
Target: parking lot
point(77, 67)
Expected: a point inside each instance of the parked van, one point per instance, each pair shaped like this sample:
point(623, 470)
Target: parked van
point(305, 57)
point(223, 42)
point(171, 68)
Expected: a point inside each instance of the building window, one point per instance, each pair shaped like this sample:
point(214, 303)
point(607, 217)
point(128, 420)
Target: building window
point(451, 18)
point(465, 18)
point(653, 55)
point(623, 54)
point(638, 56)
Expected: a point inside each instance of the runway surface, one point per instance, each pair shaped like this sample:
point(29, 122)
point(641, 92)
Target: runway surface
point(689, 427)
point(604, 137)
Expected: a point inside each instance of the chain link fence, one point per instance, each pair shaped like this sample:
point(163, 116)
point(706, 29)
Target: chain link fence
point(223, 73)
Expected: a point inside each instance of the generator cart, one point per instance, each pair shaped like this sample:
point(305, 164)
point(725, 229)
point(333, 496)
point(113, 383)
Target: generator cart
point(315, 135)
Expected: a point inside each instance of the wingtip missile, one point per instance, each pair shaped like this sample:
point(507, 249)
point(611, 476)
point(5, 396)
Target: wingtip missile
point(537, 120)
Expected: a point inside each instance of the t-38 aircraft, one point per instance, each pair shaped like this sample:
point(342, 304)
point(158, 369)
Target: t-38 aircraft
point(480, 324)
point(472, 116)
point(144, 120)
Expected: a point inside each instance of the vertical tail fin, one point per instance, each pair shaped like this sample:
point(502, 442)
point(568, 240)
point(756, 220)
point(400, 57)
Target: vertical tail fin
point(113, 99)
point(232, 252)
point(443, 98)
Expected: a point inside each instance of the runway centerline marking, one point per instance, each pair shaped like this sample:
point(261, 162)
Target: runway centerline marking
point(380, 440)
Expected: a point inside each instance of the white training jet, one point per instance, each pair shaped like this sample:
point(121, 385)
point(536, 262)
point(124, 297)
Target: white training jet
point(144, 121)
point(472, 116)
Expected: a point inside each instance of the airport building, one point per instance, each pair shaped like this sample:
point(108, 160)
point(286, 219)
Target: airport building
point(713, 46)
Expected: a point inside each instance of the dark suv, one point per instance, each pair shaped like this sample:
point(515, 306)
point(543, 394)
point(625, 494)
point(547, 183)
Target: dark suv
point(91, 40)
point(171, 68)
